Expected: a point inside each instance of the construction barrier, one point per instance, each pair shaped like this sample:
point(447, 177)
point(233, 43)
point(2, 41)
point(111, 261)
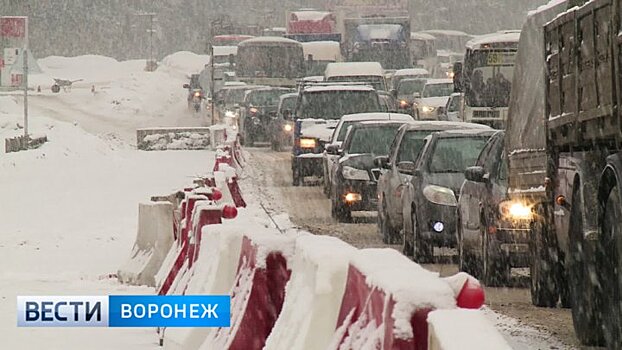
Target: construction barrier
point(461, 329)
point(153, 241)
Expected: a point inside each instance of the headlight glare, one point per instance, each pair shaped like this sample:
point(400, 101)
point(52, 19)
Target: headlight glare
point(428, 109)
point(516, 210)
point(440, 195)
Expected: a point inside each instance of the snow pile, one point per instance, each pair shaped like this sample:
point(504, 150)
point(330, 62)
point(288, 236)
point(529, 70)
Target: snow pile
point(463, 329)
point(175, 140)
point(313, 294)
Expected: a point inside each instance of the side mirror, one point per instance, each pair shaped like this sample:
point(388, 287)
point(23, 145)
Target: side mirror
point(186, 86)
point(416, 95)
point(333, 150)
point(475, 174)
point(381, 162)
point(407, 168)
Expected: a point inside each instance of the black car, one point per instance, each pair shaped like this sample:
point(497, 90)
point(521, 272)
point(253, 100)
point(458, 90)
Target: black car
point(431, 195)
point(282, 126)
point(258, 108)
point(492, 232)
point(355, 177)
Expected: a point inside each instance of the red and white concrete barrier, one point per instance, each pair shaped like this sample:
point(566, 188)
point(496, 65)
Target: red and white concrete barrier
point(460, 329)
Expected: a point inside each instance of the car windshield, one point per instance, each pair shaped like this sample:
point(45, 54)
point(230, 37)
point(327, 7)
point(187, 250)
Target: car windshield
point(266, 97)
point(411, 145)
point(408, 87)
point(455, 154)
point(335, 104)
point(376, 81)
point(234, 96)
point(288, 104)
point(375, 140)
point(438, 90)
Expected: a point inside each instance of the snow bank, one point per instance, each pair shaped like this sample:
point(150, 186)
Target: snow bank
point(463, 329)
point(313, 294)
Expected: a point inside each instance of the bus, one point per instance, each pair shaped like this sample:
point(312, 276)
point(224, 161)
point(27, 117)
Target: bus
point(318, 54)
point(272, 61)
point(449, 40)
point(423, 50)
point(485, 77)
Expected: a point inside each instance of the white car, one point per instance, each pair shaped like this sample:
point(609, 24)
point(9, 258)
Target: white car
point(430, 104)
point(339, 134)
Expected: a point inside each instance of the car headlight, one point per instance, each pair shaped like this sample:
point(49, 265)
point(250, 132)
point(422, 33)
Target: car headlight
point(440, 195)
point(515, 210)
point(428, 109)
point(230, 114)
point(197, 94)
point(253, 110)
point(307, 143)
point(288, 128)
point(404, 103)
point(351, 173)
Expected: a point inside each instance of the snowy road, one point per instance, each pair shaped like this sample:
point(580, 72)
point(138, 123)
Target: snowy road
point(526, 326)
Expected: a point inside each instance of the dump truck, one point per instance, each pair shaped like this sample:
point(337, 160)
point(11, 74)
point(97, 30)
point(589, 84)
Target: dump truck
point(564, 141)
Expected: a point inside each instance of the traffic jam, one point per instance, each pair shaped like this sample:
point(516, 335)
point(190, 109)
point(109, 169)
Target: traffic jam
point(502, 149)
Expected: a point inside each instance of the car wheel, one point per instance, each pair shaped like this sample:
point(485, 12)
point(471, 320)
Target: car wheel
point(296, 178)
point(542, 265)
point(388, 233)
point(340, 212)
point(326, 182)
point(423, 252)
point(467, 262)
point(496, 270)
point(583, 294)
point(611, 267)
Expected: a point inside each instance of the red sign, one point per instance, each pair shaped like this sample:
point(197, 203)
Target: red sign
point(13, 27)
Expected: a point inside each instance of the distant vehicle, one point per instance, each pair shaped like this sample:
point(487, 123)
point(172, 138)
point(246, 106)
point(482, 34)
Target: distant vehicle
point(353, 186)
point(490, 240)
point(449, 40)
point(196, 94)
point(318, 110)
point(405, 92)
point(408, 73)
point(433, 99)
point(258, 107)
point(339, 134)
point(378, 39)
point(453, 109)
point(275, 31)
point(388, 101)
point(318, 54)
point(485, 77)
point(348, 72)
point(282, 134)
point(308, 25)
point(270, 61)
point(423, 50)
point(406, 147)
point(229, 100)
point(225, 56)
point(229, 39)
point(430, 197)
point(446, 62)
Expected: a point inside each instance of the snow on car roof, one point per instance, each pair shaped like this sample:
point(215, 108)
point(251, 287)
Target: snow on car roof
point(421, 36)
point(411, 71)
point(445, 32)
point(444, 125)
point(439, 81)
point(322, 50)
point(545, 7)
point(344, 69)
point(376, 116)
point(344, 87)
point(225, 50)
point(309, 15)
point(268, 40)
point(379, 122)
point(465, 132)
point(509, 36)
point(289, 95)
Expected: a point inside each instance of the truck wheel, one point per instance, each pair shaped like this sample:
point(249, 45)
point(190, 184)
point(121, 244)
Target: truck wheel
point(467, 262)
point(340, 212)
point(388, 233)
point(583, 294)
point(611, 267)
point(423, 252)
point(542, 267)
point(296, 178)
point(496, 268)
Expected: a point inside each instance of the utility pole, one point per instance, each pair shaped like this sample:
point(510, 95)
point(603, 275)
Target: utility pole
point(212, 85)
point(25, 78)
point(151, 64)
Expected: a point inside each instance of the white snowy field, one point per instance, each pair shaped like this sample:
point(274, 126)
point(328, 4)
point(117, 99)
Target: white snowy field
point(69, 209)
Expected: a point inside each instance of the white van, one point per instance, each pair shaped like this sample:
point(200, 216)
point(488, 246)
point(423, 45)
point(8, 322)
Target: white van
point(370, 72)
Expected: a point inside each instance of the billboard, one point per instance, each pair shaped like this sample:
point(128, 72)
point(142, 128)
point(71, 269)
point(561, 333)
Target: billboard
point(13, 27)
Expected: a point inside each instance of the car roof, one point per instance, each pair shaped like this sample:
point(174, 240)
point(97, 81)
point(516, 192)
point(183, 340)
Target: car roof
point(443, 125)
point(439, 81)
point(411, 71)
point(464, 132)
point(376, 116)
point(345, 69)
point(365, 123)
point(344, 87)
point(289, 95)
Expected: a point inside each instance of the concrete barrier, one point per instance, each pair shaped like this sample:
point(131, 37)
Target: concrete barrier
point(158, 139)
point(313, 295)
point(386, 302)
point(258, 294)
point(461, 329)
point(153, 241)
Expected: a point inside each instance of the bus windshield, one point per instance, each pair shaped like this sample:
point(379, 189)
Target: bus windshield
point(488, 80)
point(270, 61)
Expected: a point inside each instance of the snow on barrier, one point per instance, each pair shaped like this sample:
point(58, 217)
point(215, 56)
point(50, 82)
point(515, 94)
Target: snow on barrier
point(460, 329)
point(153, 240)
point(258, 293)
point(386, 302)
point(159, 139)
point(313, 295)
